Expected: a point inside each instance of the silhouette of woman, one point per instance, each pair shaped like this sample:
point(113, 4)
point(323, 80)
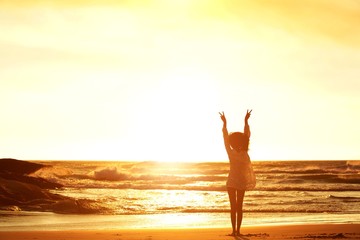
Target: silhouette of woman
point(241, 175)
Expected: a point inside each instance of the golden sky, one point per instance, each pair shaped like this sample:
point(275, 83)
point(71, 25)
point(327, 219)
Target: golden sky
point(145, 80)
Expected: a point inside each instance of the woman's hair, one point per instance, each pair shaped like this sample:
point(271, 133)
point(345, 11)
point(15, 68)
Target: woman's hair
point(239, 141)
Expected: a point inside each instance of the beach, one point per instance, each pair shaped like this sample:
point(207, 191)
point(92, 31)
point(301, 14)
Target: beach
point(154, 200)
point(305, 231)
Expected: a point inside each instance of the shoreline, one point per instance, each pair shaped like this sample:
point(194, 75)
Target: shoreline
point(39, 221)
point(302, 231)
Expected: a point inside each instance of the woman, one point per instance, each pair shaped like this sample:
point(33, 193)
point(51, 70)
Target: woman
point(241, 175)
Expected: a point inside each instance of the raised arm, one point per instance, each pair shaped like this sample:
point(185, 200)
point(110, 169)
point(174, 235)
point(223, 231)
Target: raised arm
point(246, 126)
point(225, 132)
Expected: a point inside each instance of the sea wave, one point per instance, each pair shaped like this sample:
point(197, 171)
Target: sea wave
point(308, 167)
point(122, 178)
point(81, 206)
point(84, 207)
point(333, 188)
point(344, 198)
point(110, 174)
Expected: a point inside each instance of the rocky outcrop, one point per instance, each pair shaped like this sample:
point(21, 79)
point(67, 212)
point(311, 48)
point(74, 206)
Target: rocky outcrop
point(18, 191)
point(21, 192)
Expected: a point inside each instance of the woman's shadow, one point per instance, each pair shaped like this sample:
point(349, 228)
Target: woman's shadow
point(249, 235)
point(242, 237)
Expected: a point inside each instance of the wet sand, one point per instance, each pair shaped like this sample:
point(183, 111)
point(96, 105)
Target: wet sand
point(320, 231)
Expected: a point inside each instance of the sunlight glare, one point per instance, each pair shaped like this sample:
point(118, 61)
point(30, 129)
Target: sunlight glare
point(179, 220)
point(184, 102)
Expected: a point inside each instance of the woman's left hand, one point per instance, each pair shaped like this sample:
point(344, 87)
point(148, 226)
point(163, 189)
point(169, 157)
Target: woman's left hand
point(222, 116)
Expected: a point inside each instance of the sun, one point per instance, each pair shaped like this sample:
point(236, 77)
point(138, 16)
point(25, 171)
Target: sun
point(175, 115)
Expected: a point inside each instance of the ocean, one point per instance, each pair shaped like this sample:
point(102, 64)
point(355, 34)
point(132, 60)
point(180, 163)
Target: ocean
point(150, 194)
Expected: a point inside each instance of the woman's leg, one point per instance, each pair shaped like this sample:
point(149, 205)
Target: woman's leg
point(232, 197)
point(239, 205)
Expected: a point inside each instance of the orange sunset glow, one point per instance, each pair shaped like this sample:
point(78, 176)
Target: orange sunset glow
point(145, 80)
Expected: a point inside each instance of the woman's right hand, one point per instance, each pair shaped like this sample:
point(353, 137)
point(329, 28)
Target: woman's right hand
point(247, 116)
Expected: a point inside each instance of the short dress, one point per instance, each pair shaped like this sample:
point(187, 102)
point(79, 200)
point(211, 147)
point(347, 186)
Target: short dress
point(241, 175)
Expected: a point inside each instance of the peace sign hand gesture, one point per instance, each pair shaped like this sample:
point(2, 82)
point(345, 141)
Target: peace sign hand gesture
point(247, 116)
point(223, 118)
